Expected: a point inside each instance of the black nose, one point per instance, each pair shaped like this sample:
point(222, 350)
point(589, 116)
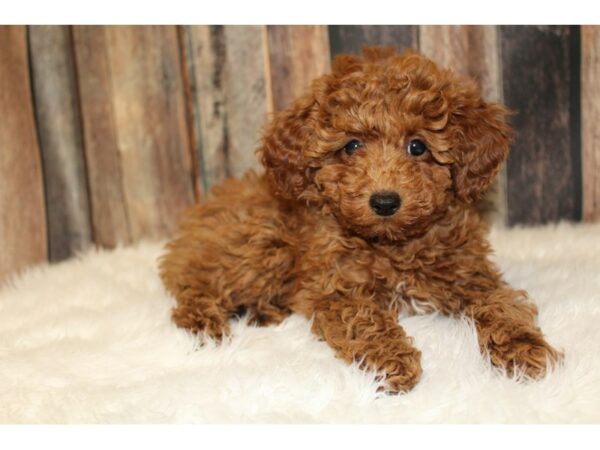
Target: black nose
point(384, 203)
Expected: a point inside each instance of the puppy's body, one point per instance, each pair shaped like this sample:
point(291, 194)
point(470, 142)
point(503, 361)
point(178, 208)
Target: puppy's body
point(313, 236)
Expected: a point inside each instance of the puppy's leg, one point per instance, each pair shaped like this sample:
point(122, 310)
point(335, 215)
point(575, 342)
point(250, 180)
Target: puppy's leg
point(215, 274)
point(201, 314)
point(461, 280)
point(192, 273)
point(233, 254)
point(504, 319)
point(506, 329)
point(361, 331)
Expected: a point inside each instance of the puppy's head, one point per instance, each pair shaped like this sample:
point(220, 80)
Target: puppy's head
point(386, 143)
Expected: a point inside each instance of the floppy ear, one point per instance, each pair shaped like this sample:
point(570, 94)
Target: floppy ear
point(482, 140)
point(284, 142)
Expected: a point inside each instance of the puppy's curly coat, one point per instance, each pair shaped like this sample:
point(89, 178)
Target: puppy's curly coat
point(364, 211)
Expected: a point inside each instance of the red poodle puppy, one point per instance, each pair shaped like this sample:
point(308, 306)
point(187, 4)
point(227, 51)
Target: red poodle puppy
point(364, 210)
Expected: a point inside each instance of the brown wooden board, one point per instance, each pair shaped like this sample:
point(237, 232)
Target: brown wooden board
point(247, 94)
point(590, 120)
point(137, 146)
point(352, 38)
point(297, 54)
point(107, 195)
point(203, 49)
point(228, 96)
point(471, 51)
point(540, 71)
point(22, 212)
point(59, 131)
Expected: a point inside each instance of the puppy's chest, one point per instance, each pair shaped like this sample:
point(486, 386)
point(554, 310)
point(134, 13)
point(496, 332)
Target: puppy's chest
point(405, 282)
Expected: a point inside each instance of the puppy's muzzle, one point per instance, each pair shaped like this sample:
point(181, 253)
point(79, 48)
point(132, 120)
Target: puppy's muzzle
point(385, 203)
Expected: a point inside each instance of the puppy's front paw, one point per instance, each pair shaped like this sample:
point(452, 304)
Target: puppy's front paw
point(403, 372)
point(527, 354)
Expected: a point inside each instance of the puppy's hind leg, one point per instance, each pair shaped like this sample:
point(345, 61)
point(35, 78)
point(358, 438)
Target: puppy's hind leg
point(234, 253)
point(191, 277)
point(202, 314)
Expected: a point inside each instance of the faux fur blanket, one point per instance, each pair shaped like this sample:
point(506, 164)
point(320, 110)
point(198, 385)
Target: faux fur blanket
point(90, 340)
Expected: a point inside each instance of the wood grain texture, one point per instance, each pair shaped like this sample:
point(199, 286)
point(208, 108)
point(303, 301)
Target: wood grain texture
point(137, 147)
point(228, 96)
point(23, 219)
point(590, 120)
point(204, 59)
point(472, 51)
point(247, 94)
point(59, 131)
point(544, 173)
point(297, 54)
point(352, 38)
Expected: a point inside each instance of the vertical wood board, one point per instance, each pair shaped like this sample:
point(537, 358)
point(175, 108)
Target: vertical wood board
point(543, 168)
point(590, 121)
point(23, 219)
point(137, 145)
point(228, 96)
point(352, 38)
point(298, 54)
point(247, 94)
point(61, 143)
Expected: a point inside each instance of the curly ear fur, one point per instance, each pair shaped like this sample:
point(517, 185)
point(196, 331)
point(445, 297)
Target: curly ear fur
point(484, 138)
point(281, 152)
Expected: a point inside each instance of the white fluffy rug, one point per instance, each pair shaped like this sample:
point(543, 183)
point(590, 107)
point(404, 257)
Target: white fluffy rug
point(90, 340)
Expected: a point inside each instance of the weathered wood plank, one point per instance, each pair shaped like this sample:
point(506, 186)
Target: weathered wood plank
point(539, 65)
point(471, 51)
point(247, 94)
point(590, 120)
point(204, 58)
point(107, 197)
point(59, 131)
point(136, 141)
point(228, 96)
point(23, 219)
point(297, 55)
point(467, 49)
point(352, 38)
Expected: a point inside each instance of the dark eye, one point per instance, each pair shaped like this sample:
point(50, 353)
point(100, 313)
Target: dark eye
point(416, 147)
point(352, 146)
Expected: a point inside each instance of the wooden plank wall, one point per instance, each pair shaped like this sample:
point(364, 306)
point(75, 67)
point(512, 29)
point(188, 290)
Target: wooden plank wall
point(122, 127)
point(61, 143)
point(23, 238)
point(290, 48)
point(227, 106)
point(544, 168)
point(590, 116)
point(133, 109)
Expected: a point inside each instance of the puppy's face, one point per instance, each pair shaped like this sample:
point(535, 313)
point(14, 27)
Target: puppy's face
point(378, 173)
point(387, 144)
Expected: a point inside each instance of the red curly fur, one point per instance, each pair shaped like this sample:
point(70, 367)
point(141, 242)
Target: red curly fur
point(302, 238)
